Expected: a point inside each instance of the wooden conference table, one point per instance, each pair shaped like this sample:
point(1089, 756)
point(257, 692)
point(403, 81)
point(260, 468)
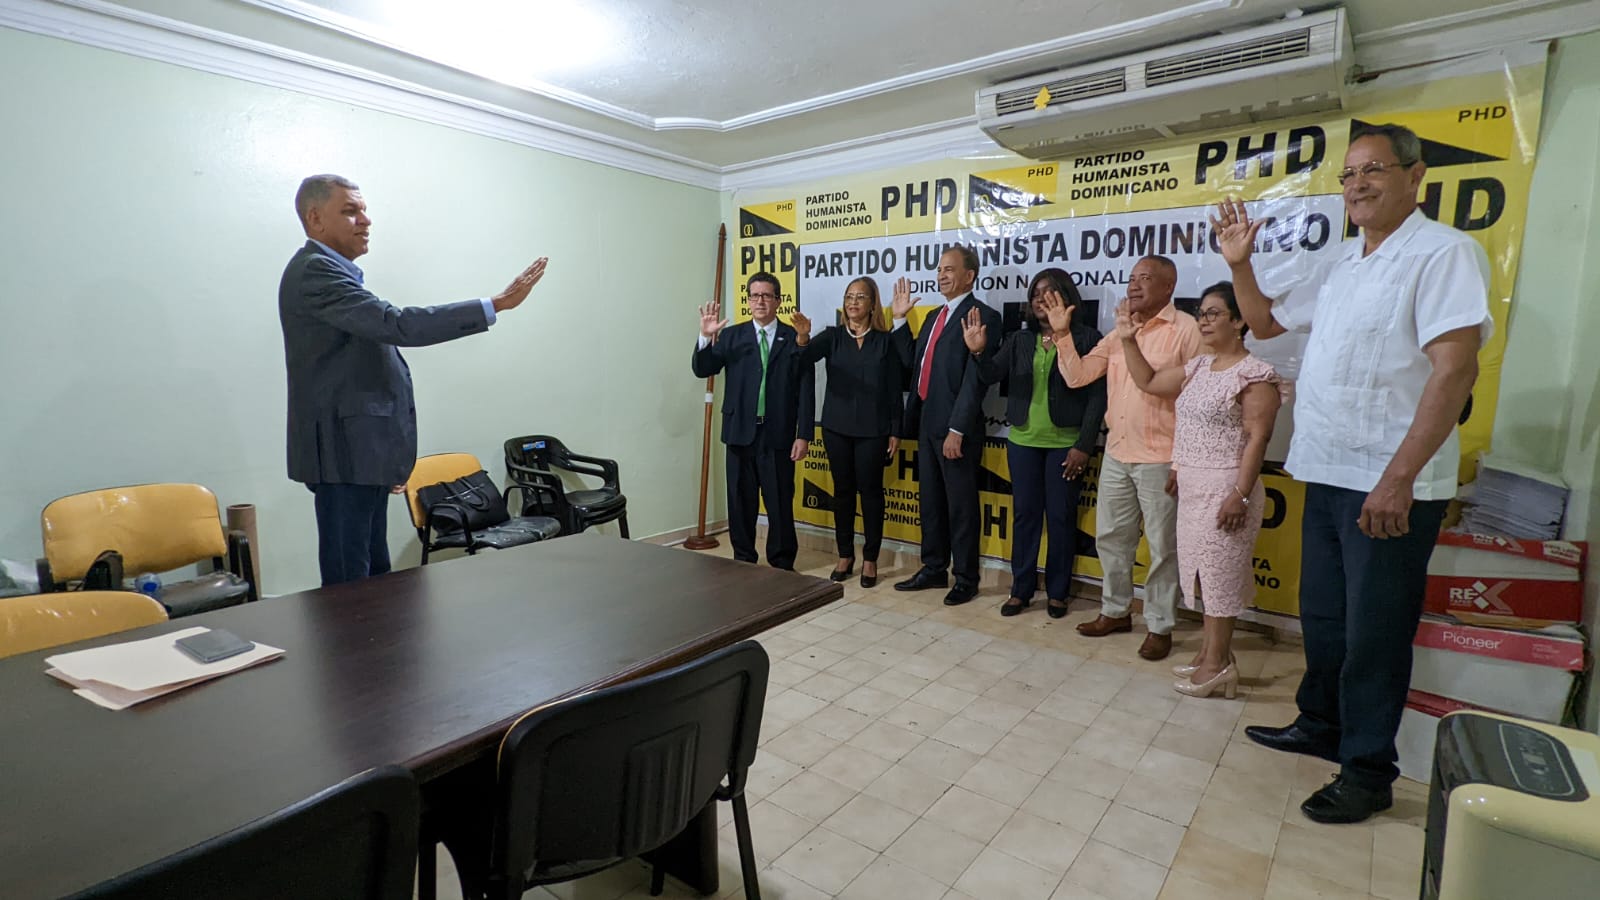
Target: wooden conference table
point(425, 668)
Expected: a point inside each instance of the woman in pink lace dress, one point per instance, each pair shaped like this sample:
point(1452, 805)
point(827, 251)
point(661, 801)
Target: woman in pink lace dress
point(1227, 402)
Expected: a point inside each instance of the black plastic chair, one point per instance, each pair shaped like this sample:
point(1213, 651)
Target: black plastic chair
point(355, 841)
point(587, 783)
point(533, 460)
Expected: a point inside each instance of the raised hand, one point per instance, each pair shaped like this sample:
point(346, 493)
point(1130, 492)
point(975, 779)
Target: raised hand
point(711, 320)
point(900, 307)
point(1058, 312)
point(1127, 328)
point(802, 326)
point(519, 288)
point(1236, 234)
point(973, 333)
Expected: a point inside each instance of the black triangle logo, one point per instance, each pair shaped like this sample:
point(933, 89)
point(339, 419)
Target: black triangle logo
point(752, 225)
point(812, 496)
point(991, 483)
point(985, 194)
point(1437, 154)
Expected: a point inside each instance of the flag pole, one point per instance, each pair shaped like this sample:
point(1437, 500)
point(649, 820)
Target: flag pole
point(700, 540)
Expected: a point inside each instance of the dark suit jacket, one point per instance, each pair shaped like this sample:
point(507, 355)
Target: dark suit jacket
point(1082, 408)
point(955, 392)
point(352, 415)
point(791, 387)
point(865, 383)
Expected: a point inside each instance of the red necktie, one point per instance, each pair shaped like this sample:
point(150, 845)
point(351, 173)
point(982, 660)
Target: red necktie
point(927, 356)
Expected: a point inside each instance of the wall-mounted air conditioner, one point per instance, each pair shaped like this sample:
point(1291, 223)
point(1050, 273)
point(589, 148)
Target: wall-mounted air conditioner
point(1288, 68)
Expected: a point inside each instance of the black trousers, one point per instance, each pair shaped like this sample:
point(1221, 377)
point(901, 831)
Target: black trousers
point(1040, 496)
point(948, 489)
point(352, 531)
point(1360, 601)
point(857, 466)
point(756, 470)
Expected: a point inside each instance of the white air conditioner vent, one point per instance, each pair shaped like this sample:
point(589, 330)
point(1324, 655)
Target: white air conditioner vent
point(1286, 68)
point(1263, 51)
point(1064, 90)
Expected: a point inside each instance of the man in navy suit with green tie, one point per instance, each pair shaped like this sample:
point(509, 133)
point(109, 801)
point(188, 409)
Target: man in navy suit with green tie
point(767, 417)
point(352, 433)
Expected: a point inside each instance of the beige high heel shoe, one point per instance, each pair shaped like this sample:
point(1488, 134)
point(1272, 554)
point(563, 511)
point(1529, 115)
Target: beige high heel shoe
point(1227, 680)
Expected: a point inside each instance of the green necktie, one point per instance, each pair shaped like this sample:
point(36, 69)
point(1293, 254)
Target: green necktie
point(761, 398)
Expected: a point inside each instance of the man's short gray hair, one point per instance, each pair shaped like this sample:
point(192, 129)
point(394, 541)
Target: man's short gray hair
point(1402, 140)
point(315, 191)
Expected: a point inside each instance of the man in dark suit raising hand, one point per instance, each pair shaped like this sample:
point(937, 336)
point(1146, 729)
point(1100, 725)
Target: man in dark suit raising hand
point(768, 402)
point(944, 413)
point(352, 435)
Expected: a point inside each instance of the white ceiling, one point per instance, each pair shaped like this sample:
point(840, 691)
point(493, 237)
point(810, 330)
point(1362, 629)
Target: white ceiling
point(723, 85)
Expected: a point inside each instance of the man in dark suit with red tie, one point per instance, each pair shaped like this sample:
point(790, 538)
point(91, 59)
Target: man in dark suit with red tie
point(768, 403)
point(944, 413)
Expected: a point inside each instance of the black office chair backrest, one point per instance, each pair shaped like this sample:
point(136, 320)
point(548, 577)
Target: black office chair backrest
point(612, 774)
point(354, 841)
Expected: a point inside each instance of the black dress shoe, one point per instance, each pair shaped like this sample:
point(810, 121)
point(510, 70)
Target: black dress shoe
point(868, 580)
point(924, 579)
point(837, 575)
point(1291, 739)
point(1056, 608)
point(1343, 802)
point(960, 594)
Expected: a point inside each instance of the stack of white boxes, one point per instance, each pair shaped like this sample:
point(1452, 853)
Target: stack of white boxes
point(1499, 635)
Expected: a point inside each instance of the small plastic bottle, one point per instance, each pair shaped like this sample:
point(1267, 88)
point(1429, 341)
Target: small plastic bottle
point(148, 583)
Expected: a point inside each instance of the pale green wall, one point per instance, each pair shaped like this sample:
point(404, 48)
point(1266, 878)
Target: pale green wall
point(1550, 407)
point(147, 216)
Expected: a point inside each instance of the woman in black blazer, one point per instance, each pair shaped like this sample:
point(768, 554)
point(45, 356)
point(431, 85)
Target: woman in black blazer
point(1054, 430)
point(868, 368)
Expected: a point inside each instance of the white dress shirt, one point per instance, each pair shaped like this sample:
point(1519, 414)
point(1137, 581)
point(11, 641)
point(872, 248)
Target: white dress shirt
point(1369, 319)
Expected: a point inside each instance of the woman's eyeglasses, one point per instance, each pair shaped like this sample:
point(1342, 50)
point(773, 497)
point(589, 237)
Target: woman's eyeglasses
point(1210, 315)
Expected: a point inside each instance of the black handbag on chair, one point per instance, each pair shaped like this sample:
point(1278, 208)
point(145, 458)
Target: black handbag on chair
point(470, 503)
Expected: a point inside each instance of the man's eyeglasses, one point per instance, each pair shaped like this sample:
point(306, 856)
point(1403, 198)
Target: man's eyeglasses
point(767, 297)
point(1371, 170)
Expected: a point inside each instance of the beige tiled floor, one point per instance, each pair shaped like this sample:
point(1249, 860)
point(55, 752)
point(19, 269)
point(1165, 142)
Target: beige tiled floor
point(911, 750)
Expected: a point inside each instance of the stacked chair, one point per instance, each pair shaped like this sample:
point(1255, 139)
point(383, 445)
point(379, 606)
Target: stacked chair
point(535, 462)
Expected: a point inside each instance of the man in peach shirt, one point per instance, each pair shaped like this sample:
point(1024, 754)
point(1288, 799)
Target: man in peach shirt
point(1135, 473)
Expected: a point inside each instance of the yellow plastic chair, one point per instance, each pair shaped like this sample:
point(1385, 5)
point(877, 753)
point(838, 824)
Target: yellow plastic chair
point(513, 532)
point(48, 620)
point(149, 528)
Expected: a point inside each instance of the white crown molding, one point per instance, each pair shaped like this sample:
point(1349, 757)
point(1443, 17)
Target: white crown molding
point(355, 28)
point(351, 27)
point(1461, 34)
point(940, 140)
point(111, 27)
point(975, 65)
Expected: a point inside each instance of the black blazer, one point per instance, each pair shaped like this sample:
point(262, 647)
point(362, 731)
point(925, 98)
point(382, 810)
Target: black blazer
point(955, 393)
point(1083, 407)
point(791, 387)
point(352, 416)
point(865, 383)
